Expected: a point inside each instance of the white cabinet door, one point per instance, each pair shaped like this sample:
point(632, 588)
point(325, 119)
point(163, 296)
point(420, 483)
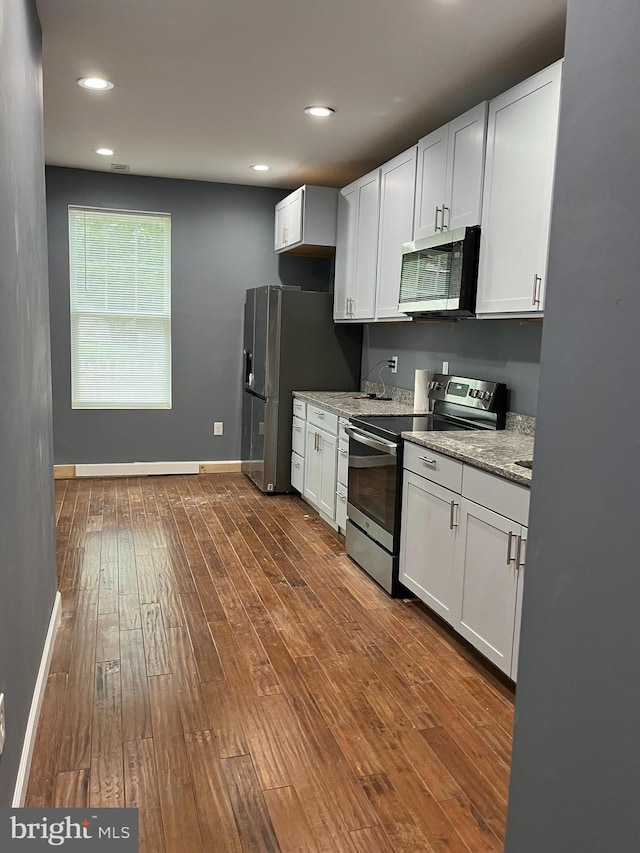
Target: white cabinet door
point(522, 556)
point(430, 515)
point(341, 506)
point(294, 226)
point(518, 190)
point(312, 466)
point(297, 472)
point(488, 579)
point(345, 253)
point(430, 183)
point(366, 246)
point(465, 166)
point(328, 452)
point(397, 193)
point(282, 221)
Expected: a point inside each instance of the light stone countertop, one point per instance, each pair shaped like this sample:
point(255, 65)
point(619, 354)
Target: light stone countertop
point(350, 404)
point(494, 451)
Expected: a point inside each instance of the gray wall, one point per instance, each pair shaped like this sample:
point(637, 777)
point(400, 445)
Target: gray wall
point(222, 244)
point(27, 564)
point(498, 350)
point(576, 765)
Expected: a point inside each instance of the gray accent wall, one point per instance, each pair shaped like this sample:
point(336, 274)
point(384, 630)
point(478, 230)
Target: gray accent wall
point(222, 244)
point(498, 350)
point(27, 559)
point(576, 759)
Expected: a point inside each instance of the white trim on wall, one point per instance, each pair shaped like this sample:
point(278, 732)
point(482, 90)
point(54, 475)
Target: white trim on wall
point(140, 469)
point(24, 768)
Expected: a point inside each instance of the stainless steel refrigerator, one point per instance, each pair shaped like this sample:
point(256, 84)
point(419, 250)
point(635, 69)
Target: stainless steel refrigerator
point(290, 344)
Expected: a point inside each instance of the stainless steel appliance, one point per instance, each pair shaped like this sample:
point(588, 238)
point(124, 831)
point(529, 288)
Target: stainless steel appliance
point(290, 344)
point(375, 467)
point(440, 274)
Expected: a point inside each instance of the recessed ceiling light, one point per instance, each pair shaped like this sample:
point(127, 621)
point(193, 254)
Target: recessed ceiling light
point(319, 112)
point(98, 83)
point(260, 167)
point(106, 152)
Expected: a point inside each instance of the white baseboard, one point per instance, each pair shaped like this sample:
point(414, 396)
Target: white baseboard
point(143, 469)
point(137, 469)
point(24, 768)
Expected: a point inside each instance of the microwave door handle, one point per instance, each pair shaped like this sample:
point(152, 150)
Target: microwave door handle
point(372, 441)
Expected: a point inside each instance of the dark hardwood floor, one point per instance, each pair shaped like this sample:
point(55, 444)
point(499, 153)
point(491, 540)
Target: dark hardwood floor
point(224, 667)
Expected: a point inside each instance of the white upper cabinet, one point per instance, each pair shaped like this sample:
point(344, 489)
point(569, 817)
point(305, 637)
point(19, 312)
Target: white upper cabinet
point(357, 250)
point(345, 253)
point(449, 178)
point(306, 221)
point(516, 213)
point(397, 190)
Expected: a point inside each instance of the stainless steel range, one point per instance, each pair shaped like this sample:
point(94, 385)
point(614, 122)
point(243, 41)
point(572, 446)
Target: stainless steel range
point(375, 467)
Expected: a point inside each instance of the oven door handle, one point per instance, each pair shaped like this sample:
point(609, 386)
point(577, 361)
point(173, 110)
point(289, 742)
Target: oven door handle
point(372, 441)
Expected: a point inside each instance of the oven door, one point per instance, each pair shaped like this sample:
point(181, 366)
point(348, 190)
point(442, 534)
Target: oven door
point(373, 488)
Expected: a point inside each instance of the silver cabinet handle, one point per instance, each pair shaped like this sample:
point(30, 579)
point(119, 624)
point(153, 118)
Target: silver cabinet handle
point(341, 497)
point(446, 227)
point(537, 281)
point(435, 227)
point(297, 428)
point(315, 441)
point(320, 414)
point(520, 552)
point(510, 559)
point(343, 452)
point(428, 461)
point(297, 464)
point(451, 515)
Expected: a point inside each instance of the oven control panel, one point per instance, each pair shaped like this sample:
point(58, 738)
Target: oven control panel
point(474, 393)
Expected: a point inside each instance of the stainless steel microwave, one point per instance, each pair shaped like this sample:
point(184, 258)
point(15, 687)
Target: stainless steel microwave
point(440, 274)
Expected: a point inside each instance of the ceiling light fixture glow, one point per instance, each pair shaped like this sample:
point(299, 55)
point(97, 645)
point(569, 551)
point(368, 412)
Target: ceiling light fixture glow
point(106, 152)
point(96, 83)
point(319, 112)
point(261, 167)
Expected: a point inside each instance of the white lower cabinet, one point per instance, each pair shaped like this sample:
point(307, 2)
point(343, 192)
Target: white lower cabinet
point(465, 560)
point(297, 472)
point(487, 565)
point(320, 470)
point(428, 544)
point(341, 506)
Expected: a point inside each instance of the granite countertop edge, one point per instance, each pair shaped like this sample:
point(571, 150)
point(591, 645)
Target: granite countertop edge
point(505, 447)
point(350, 404)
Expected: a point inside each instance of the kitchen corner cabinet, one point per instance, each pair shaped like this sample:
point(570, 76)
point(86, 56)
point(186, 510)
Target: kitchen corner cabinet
point(305, 221)
point(357, 250)
point(462, 550)
point(518, 190)
point(449, 175)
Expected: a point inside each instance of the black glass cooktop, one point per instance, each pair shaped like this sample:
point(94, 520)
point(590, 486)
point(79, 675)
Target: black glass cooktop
point(391, 426)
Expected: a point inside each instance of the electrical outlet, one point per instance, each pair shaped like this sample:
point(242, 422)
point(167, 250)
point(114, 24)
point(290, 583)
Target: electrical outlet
point(3, 728)
point(394, 363)
point(217, 427)
point(445, 367)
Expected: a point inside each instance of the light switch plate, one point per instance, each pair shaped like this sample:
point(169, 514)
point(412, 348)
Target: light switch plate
point(217, 427)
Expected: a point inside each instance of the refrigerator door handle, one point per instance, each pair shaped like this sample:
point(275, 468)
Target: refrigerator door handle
point(248, 368)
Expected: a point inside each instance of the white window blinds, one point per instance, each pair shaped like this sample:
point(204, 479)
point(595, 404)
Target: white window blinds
point(120, 274)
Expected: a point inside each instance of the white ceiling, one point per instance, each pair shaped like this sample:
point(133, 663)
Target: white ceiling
point(205, 88)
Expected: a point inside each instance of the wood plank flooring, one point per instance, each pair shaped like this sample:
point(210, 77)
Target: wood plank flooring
point(224, 667)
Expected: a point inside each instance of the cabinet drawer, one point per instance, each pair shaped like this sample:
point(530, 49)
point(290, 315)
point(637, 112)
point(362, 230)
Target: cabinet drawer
point(496, 493)
point(343, 462)
point(323, 419)
point(299, 408)
point(434, 466)
point(297, 436)
point(297, 472)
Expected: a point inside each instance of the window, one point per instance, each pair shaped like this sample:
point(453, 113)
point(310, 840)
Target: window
point(120, 275)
